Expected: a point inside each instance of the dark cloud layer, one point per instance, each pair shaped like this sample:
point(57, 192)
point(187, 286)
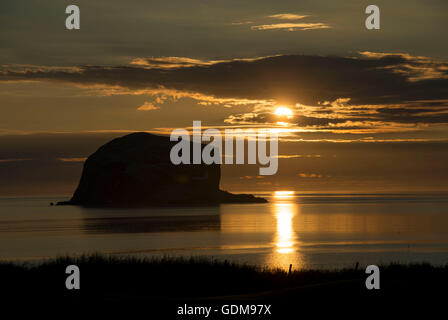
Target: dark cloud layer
point(378, 87)
point(305, 79)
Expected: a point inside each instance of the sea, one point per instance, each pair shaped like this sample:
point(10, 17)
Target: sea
point(319, 231)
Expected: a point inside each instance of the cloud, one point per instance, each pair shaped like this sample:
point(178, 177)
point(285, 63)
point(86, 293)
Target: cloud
point(169, 62)
point(180, 62)
point(297, 78)
point(163, 95)
point(291, 26)
point(287, 16)
point(14, 160)
point(339, 116)
point(241, 23)
point(251, 177)
point(72, 159)
point(310, 175)
point(414, 68)
point(286, 26)
point(366, 93)
point(148, 106)
point(294, 156)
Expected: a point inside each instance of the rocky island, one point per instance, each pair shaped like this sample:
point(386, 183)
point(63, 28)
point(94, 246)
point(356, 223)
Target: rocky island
point(135, 171)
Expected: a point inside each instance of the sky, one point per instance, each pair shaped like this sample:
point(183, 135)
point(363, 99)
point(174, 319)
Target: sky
point(369, 108)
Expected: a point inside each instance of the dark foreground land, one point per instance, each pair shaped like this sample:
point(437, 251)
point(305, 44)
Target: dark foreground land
point(164, 285)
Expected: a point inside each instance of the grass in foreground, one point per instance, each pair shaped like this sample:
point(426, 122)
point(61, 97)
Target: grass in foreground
point(112, 278)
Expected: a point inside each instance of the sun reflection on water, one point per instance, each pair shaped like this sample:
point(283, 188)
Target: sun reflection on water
point(284, 209)
point(285, 234)
point(279, 195)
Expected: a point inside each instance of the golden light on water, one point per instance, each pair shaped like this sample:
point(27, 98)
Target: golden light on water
point(283, 195)
point(285, 233)
point(280, 228)
point(285, 242)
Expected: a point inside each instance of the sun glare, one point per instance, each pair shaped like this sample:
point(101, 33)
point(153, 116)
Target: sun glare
point(283, 194)
point(283, 112)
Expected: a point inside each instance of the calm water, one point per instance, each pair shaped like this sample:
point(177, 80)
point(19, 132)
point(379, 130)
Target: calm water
point(322, 231)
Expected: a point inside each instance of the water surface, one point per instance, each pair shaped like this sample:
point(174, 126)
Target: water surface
point(318, 230)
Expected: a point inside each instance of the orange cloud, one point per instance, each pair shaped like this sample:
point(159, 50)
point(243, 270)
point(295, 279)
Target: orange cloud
point(292, 156)
point(183, 62)
point(287, 16)
point(251, 177)
point(310, 175)
point(291, 26)
point(72, 159)
point(148, 106)
point(416, 68)
point(14, 160)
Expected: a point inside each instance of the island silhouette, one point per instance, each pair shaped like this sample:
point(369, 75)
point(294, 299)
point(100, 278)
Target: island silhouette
point(136, 171)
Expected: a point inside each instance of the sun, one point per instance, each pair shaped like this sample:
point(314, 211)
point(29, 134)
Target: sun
point(283, 112)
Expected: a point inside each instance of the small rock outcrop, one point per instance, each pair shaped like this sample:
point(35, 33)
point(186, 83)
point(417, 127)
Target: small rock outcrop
point(136, 171)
